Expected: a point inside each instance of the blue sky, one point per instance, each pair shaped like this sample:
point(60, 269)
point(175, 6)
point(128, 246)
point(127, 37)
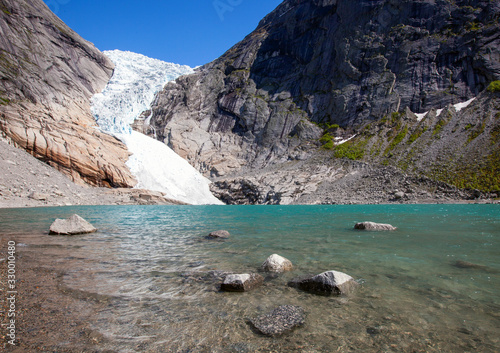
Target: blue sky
point(189, 32)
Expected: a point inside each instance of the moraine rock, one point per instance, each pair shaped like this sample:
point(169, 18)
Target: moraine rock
point(326, 283)
point(71, 226)
point(399, 195)
point(219, 234)
point(38, 196)
point(277, 263)
point(374, 226)
point(281, 320)
point(242, 282)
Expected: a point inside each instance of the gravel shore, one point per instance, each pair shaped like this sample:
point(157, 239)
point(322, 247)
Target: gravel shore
point(27, 182)
point(49, 317)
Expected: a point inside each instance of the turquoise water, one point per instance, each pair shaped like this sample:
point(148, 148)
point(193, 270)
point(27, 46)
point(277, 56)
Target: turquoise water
point(153, 262)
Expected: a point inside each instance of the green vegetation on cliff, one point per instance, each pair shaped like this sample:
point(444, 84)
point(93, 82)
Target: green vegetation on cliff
point(327, 141)
point(399, 137)
point(484, 177)
point(353, 149)
point(494, 86)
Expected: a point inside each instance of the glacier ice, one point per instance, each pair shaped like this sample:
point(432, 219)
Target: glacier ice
point(131, 91)
point(132, 88)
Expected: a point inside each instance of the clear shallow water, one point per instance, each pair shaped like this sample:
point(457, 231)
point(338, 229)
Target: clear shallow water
point(152, 262)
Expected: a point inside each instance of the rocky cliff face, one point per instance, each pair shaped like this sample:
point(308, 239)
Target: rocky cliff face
point(314, 64)
point(49, 73)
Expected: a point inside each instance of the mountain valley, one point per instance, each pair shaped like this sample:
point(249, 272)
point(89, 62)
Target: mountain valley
point(326, 102)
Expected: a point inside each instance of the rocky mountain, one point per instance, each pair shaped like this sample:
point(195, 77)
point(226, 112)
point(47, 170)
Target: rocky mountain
point(316, 73)
point(48, 75)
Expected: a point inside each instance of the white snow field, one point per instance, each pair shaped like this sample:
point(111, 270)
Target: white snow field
point(131, 91)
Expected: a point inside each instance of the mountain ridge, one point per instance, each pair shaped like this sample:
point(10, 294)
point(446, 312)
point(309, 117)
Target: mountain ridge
point(327, 101)
point(314, 71)
point(49, 74)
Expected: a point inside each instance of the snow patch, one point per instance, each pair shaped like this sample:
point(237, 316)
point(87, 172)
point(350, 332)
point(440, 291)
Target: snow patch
point(130, 92)
point(421, 116)
point(339, 140)
point(458, 107)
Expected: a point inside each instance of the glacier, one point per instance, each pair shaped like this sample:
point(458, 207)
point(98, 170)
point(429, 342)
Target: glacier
point(131, 91)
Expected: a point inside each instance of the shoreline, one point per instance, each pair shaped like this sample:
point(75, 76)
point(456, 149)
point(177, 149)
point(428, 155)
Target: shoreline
point(29, 204)
point(48, 316)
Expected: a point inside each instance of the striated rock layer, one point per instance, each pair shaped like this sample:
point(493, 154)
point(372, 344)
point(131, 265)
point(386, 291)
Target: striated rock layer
point(49, 73)
point(311, 66)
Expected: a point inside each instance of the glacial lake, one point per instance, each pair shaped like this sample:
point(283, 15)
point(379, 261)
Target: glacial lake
point(416, 294)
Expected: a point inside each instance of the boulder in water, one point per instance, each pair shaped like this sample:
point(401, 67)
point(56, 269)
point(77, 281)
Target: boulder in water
point(326, 283)
point(219, 234)
point(374, 226)
point(71, 226)
point(277, 263)
point(242, 282)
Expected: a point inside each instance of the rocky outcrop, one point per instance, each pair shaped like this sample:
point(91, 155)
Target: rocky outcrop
point(74, 225)
point(242, 282)
point(313, 63)
point(374, 226)
point(276, 263)
point(326, 283)
point(49, 73)
point(281, 320)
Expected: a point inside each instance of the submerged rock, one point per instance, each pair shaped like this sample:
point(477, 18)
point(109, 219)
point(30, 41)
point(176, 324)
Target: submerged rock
point(326, 283)
point(277, 263)
point(374, 226)
point(281, 320)
point(468, 265)
point(219, 234)
point(242, 282)
point(71, 226)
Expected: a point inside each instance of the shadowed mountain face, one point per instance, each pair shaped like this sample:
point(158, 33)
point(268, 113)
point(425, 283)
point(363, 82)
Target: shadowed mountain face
point(330, 62)
point(48, 75)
